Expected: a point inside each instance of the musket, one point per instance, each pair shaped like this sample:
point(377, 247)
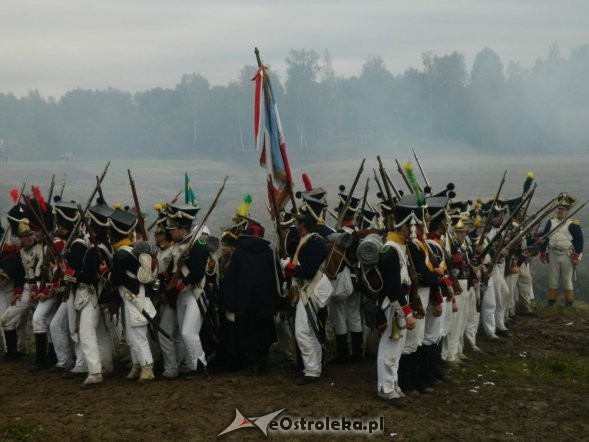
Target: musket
point(507, 223)
point(342, 212)
point(8, 229)
point(152, 225)
point(61, 189)
point(386, 183)
point(490, 215)
point(51, 187)
point(402, 172)
point(99, 187)
point(421, 168)
point(267, 94)
point(360, 214)
point(140, 219)
point(393, 188)
point(74, 231)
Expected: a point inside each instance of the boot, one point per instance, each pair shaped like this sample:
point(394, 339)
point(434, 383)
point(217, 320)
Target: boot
point(40, 361)
point(404, 376)
point(341, 348)
point(146, 374)
point(415, 372)
point(438, 369)
point(135, 372)
point(92, 381)
point(357, 347)
point(11, 352)
point(568, 298)
point(51, 355)
point(426, 366)
point(552, 296)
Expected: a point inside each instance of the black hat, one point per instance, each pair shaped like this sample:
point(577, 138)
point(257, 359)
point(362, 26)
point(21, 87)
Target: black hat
point(286, 219)
point(66, 213)
point(512, 203)
point(100, 213)
point(253, 228)
point(352, 207)
point(229, 238)
point(123, 221)
point(367, 218)
point(181, 216)
point(14, 216)
point(566, 200)
point(498, 209)
point(407, 210)
point(311, 210)
point(436, 206)
point(162, 215)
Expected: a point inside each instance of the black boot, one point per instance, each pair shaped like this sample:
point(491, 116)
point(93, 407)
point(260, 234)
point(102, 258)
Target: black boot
point(404, 375)
point(416, 362)
point(341, 348)
point(51, 355)
point(357, 346)
point(11, 353)
point(40, 361)
point(426, 367)
point(438, 363)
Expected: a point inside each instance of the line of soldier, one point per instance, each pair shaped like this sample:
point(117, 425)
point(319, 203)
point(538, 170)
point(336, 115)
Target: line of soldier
point(408, 272)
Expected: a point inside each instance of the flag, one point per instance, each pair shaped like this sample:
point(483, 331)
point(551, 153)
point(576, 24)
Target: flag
point(269, 139)
point(189, 196)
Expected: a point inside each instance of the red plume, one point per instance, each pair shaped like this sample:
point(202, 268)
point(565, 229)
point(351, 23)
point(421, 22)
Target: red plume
point(15, 195)
point(40, 198)
point(307, 182)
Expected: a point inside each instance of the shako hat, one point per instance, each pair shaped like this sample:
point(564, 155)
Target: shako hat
point(566, 200)
point(181, 216)
point(66, 213)
point(122, 221)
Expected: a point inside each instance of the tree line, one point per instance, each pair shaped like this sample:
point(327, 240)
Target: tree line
point(491, 107)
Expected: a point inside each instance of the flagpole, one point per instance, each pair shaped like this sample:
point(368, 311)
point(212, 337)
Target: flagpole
point(266, 86)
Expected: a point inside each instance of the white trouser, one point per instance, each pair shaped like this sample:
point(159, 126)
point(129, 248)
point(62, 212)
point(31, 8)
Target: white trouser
point(18, 313)
point(511, 282)
point(472, 316)
point(95, 339)
point(561, 267)
point(451, 343)
point(447, 315)
point(433, 325)
point(501, 291)
point(389, 353)
point(190, 322)
point(6, 290)
point(345, 314)
point(488, 305)
point(73, 323)
point(43, 315)
point(414, 337)
point(137, 338)
point(524, 286)
point(60, 336)
point(309, 345)
point(172, 352)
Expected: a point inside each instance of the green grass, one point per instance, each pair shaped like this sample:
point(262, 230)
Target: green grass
point(19, 429)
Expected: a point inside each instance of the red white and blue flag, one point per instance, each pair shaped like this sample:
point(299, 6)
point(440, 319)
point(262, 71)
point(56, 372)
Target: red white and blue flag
point(270, 140)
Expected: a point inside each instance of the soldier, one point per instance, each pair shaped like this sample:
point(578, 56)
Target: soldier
point(310, 287)
point(11, 276)
point(192, 255)
point(94, 336)
point(344, 304)
point(172, 352)
point(31, 256)
point(251, 289)
point(395, 311)
point(563, 251)
point(124, 276)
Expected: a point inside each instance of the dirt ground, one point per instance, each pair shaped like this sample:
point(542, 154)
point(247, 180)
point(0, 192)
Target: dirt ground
point(533, 385)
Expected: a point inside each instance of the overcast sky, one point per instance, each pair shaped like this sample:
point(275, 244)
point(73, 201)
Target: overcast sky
point(58, 45)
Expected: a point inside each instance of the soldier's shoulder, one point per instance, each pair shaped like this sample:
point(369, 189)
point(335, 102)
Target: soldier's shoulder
point(386, 251)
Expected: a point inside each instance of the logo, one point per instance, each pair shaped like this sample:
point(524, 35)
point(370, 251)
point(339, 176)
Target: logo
point(241, 421)
point(303, 425)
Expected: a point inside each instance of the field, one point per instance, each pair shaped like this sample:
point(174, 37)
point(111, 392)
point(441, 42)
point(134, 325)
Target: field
point(531, 386)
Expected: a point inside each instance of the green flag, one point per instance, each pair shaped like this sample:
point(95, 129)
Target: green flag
point(189, 196)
